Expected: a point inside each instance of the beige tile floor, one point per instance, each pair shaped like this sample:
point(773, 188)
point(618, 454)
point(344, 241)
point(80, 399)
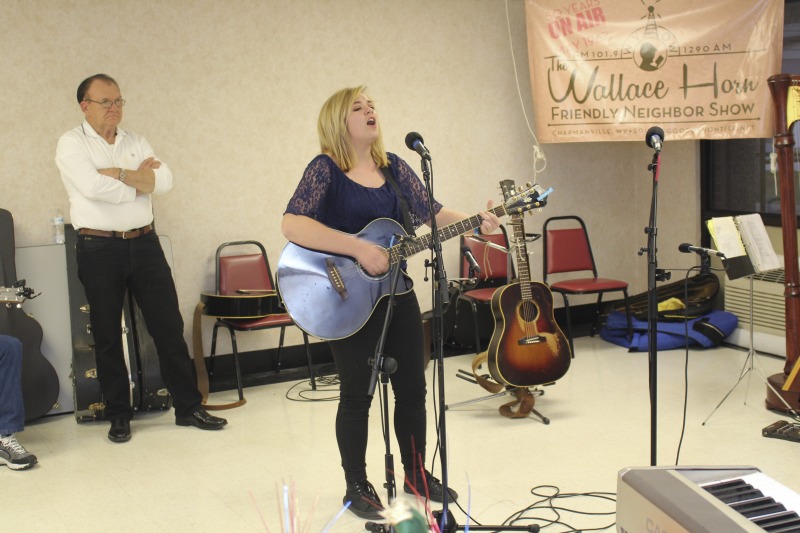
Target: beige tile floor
point(175, 479)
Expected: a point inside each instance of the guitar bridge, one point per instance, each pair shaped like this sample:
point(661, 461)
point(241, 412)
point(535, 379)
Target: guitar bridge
point(336, 279)
point(527, 341)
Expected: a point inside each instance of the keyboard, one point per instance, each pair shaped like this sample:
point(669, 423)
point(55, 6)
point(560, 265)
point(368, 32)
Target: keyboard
point(704, 498)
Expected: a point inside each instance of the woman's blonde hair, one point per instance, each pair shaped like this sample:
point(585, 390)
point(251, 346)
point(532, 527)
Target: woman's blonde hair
point(332, 130)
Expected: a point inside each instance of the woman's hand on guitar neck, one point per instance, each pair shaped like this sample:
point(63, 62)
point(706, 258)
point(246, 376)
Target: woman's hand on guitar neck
point(490, 222)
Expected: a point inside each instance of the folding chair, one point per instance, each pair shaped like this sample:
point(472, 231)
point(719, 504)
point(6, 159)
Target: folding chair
point(567, 251)
point(245, 275)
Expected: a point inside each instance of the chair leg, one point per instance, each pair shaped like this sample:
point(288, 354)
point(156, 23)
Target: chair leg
point(211, 359)
point(280, 347)
point(236, 364)
point(310, 363)
point(628, 314)
point(474, 307)
point(596, 322)
point(569, 324)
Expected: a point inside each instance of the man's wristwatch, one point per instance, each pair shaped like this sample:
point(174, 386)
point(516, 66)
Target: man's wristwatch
point(123, 175)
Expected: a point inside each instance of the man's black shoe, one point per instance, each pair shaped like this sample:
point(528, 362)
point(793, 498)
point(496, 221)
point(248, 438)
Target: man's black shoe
point(120, 430)
point(364, 501)
point(434, 491)
point(201, 419)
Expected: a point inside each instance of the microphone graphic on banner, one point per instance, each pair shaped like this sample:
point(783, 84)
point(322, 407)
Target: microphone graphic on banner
point(654, 138)
point(414, 141)
point(688, 248)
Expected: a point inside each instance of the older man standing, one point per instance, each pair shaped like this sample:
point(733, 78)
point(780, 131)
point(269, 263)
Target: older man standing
point(110, 175)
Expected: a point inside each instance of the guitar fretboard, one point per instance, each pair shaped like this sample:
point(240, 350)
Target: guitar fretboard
point(523, 265)
point(416, 245)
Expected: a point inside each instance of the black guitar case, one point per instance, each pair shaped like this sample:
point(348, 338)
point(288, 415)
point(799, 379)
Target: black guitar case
point(39, 378)
point(153, 393)
point(88, 399)
point(147, 387)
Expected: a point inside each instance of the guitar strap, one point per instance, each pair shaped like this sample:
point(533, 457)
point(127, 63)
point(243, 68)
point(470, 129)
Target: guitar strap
point(407, 225)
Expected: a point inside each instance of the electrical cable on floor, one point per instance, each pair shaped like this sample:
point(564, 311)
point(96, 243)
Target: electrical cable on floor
point(327, 390)
point(547, 503)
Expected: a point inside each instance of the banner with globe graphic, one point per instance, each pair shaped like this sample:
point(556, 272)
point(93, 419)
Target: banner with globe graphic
point(608, 70)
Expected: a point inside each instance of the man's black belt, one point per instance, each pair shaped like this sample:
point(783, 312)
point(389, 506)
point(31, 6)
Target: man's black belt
point(128, 234)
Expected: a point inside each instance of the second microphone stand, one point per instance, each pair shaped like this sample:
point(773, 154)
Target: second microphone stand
point(654, 275)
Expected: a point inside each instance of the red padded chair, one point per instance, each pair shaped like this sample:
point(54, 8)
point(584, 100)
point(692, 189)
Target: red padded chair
point(496, 271)
point(250, 272)
point(567, 250)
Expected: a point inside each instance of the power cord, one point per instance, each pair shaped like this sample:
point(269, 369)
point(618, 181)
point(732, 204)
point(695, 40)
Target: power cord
point(327, 390)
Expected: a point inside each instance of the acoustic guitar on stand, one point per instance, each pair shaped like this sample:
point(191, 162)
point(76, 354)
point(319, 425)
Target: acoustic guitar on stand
point(527, 348)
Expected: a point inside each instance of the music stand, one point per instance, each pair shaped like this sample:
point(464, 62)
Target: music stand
point(745, 244)
point(749, 366)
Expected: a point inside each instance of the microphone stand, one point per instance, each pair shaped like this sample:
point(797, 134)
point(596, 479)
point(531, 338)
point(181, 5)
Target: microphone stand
point(384, 365)
point(447, 523)
point(654, 275)
point(440, 299)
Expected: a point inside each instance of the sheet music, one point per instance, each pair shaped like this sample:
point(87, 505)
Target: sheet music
point(757, 242)
point(744, 236)
point(726, 236)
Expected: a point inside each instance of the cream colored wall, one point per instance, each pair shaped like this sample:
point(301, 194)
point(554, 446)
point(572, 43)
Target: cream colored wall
point(228, 94)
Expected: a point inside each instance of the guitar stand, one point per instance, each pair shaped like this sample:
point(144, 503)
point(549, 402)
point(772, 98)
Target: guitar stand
point(466, 376)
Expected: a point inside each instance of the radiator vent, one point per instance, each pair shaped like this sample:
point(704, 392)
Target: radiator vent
point(769, 303)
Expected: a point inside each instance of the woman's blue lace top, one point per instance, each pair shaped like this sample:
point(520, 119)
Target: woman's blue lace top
point(327, 195)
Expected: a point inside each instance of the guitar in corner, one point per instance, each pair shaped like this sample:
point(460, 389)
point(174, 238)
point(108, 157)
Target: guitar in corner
point(39, 377)
point(527, 347)
point(332, 297)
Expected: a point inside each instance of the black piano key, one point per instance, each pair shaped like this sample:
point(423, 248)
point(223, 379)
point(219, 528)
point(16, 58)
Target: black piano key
point(787, 529)
point(762, 511)
point(733, 491)
point(725, 485)
point(758, 507)
point(786, 522)
point(739, 495)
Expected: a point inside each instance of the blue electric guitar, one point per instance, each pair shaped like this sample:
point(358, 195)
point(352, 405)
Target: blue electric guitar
point(331, 297)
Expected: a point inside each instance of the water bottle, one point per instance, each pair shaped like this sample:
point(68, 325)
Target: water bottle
point(57, 223)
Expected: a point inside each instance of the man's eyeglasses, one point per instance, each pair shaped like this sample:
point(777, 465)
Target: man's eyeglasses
point(119, 102)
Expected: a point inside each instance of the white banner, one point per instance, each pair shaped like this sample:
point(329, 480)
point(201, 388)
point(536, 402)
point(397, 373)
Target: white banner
point(608, 70)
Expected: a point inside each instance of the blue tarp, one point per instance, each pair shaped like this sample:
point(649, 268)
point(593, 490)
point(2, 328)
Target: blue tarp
point(705, 331)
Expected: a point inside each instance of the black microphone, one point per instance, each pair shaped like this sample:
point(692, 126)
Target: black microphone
point(654, 138)
point(473, 264)
point(687, 248)
point(414, 141)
